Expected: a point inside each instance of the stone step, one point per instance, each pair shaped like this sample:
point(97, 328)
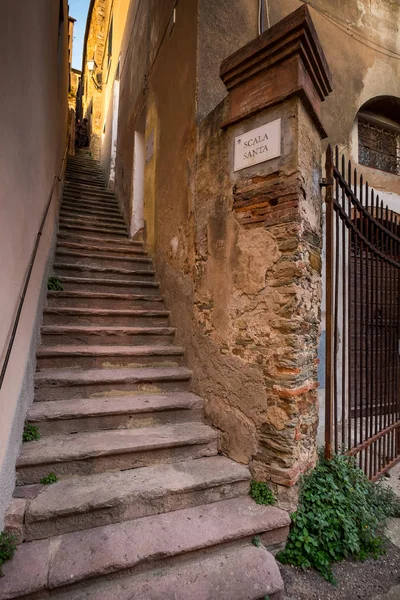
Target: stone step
point(103, 232)
point(89, 222)
point(243, 572)
point(88, 189)
point(113, 450)
point(55, 335)
point(82, 169)
point(105, 316)
point(94, 272)
point(115, 412)
point(91, 202)
point(99, 284)
point(96, 357)
point(98, 219)
point(65, 384)
point(102, 259)
point(114, 250)
point(83, 502)
point(104, 242)
point(96, 180)
point(146, 544)
point(91, 299)
point(89, 209)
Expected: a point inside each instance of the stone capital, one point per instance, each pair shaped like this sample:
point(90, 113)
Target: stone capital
point(285, 61)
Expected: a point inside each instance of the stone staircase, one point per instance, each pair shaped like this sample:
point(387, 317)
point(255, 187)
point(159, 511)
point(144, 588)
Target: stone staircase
point(145, 507)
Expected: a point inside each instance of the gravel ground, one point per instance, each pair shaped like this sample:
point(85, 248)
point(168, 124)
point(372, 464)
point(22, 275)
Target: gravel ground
point(367, 580)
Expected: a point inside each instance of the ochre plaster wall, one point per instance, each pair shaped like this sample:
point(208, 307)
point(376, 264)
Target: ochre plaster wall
point(33, 108)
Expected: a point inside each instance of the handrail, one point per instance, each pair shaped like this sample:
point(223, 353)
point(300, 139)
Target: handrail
point(29, 272)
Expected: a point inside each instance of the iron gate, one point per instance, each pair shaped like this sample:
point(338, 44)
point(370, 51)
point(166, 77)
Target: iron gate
point(362, 412)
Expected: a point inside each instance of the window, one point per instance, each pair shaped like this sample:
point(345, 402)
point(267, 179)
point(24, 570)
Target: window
point(378, 146)
point(379, 134)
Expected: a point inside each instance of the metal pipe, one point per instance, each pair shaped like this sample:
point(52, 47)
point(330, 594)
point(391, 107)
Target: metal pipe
point(29, 273)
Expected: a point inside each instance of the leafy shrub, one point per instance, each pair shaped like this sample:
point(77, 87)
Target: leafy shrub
point(31, 433)
point(341, 513)
point(8, 545)
point(54, 284)
point(261, 493)
point(49, 479)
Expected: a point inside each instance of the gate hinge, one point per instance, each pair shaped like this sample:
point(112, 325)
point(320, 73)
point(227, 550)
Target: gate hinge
point(324, 182)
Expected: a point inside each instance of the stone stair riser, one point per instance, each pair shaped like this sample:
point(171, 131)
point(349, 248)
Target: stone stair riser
point(136, 509)
point(110, 286)
point(90, 239)
point(128, 320)
point(115, 462)
point(72, 206)
point(124, 421)
point(111, 273)
point(97, 219)
point(117, 303)
point(113, 250)
point(116, 262)
point(110, 339)
point(68, 392)
point(101, 232)
point(98, 362)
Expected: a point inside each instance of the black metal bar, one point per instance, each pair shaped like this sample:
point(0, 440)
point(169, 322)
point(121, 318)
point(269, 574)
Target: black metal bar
point(329, 306)
point(28, 274)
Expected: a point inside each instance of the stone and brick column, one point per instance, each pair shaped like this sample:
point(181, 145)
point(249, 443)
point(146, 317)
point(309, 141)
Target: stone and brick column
point(282, 75)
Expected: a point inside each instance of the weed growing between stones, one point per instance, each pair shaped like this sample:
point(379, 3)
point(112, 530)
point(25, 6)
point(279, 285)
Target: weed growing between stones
point(54, 284)
point(341, 514)
point(256, 541)
point(49, 479)
point(31, 433)
point(8, 545)
point(261, 493)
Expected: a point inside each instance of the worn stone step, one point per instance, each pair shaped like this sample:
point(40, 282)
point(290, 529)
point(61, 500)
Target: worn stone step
point(100, 284)
point(105, 316)
point(145, 544)
point(98, 219)
point(243, 572)
point(90, 222)
point(104, 242)
point(102, 259)
point(55, 335)
point(93, 271)
point(82, 169)
point(96, 357)
point(88, 209)
point(84, 502)
point(85, 299)
point(113, 450)
point(103, 232)
point(89, 190)
point(115, 412)
point(96, 180)
point(114, 250)
point(98, 203)
point(63, 384)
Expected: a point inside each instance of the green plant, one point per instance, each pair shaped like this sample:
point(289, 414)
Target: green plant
point(256, 541)
point(261, 493)
point(31, 433)
point(54, 284)
point(8, 545)
point(49, 479)
point(341, 513)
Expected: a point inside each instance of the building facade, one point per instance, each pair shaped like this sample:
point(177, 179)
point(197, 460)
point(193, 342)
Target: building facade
point(168, 88)
point(34, 109)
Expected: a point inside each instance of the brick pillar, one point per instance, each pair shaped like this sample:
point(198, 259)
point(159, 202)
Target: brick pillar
point(283, 75)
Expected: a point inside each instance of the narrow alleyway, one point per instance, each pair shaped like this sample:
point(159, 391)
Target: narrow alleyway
point(142, 490)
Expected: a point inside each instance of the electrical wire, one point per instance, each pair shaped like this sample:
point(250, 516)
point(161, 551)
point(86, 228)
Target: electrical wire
point(356, 35)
